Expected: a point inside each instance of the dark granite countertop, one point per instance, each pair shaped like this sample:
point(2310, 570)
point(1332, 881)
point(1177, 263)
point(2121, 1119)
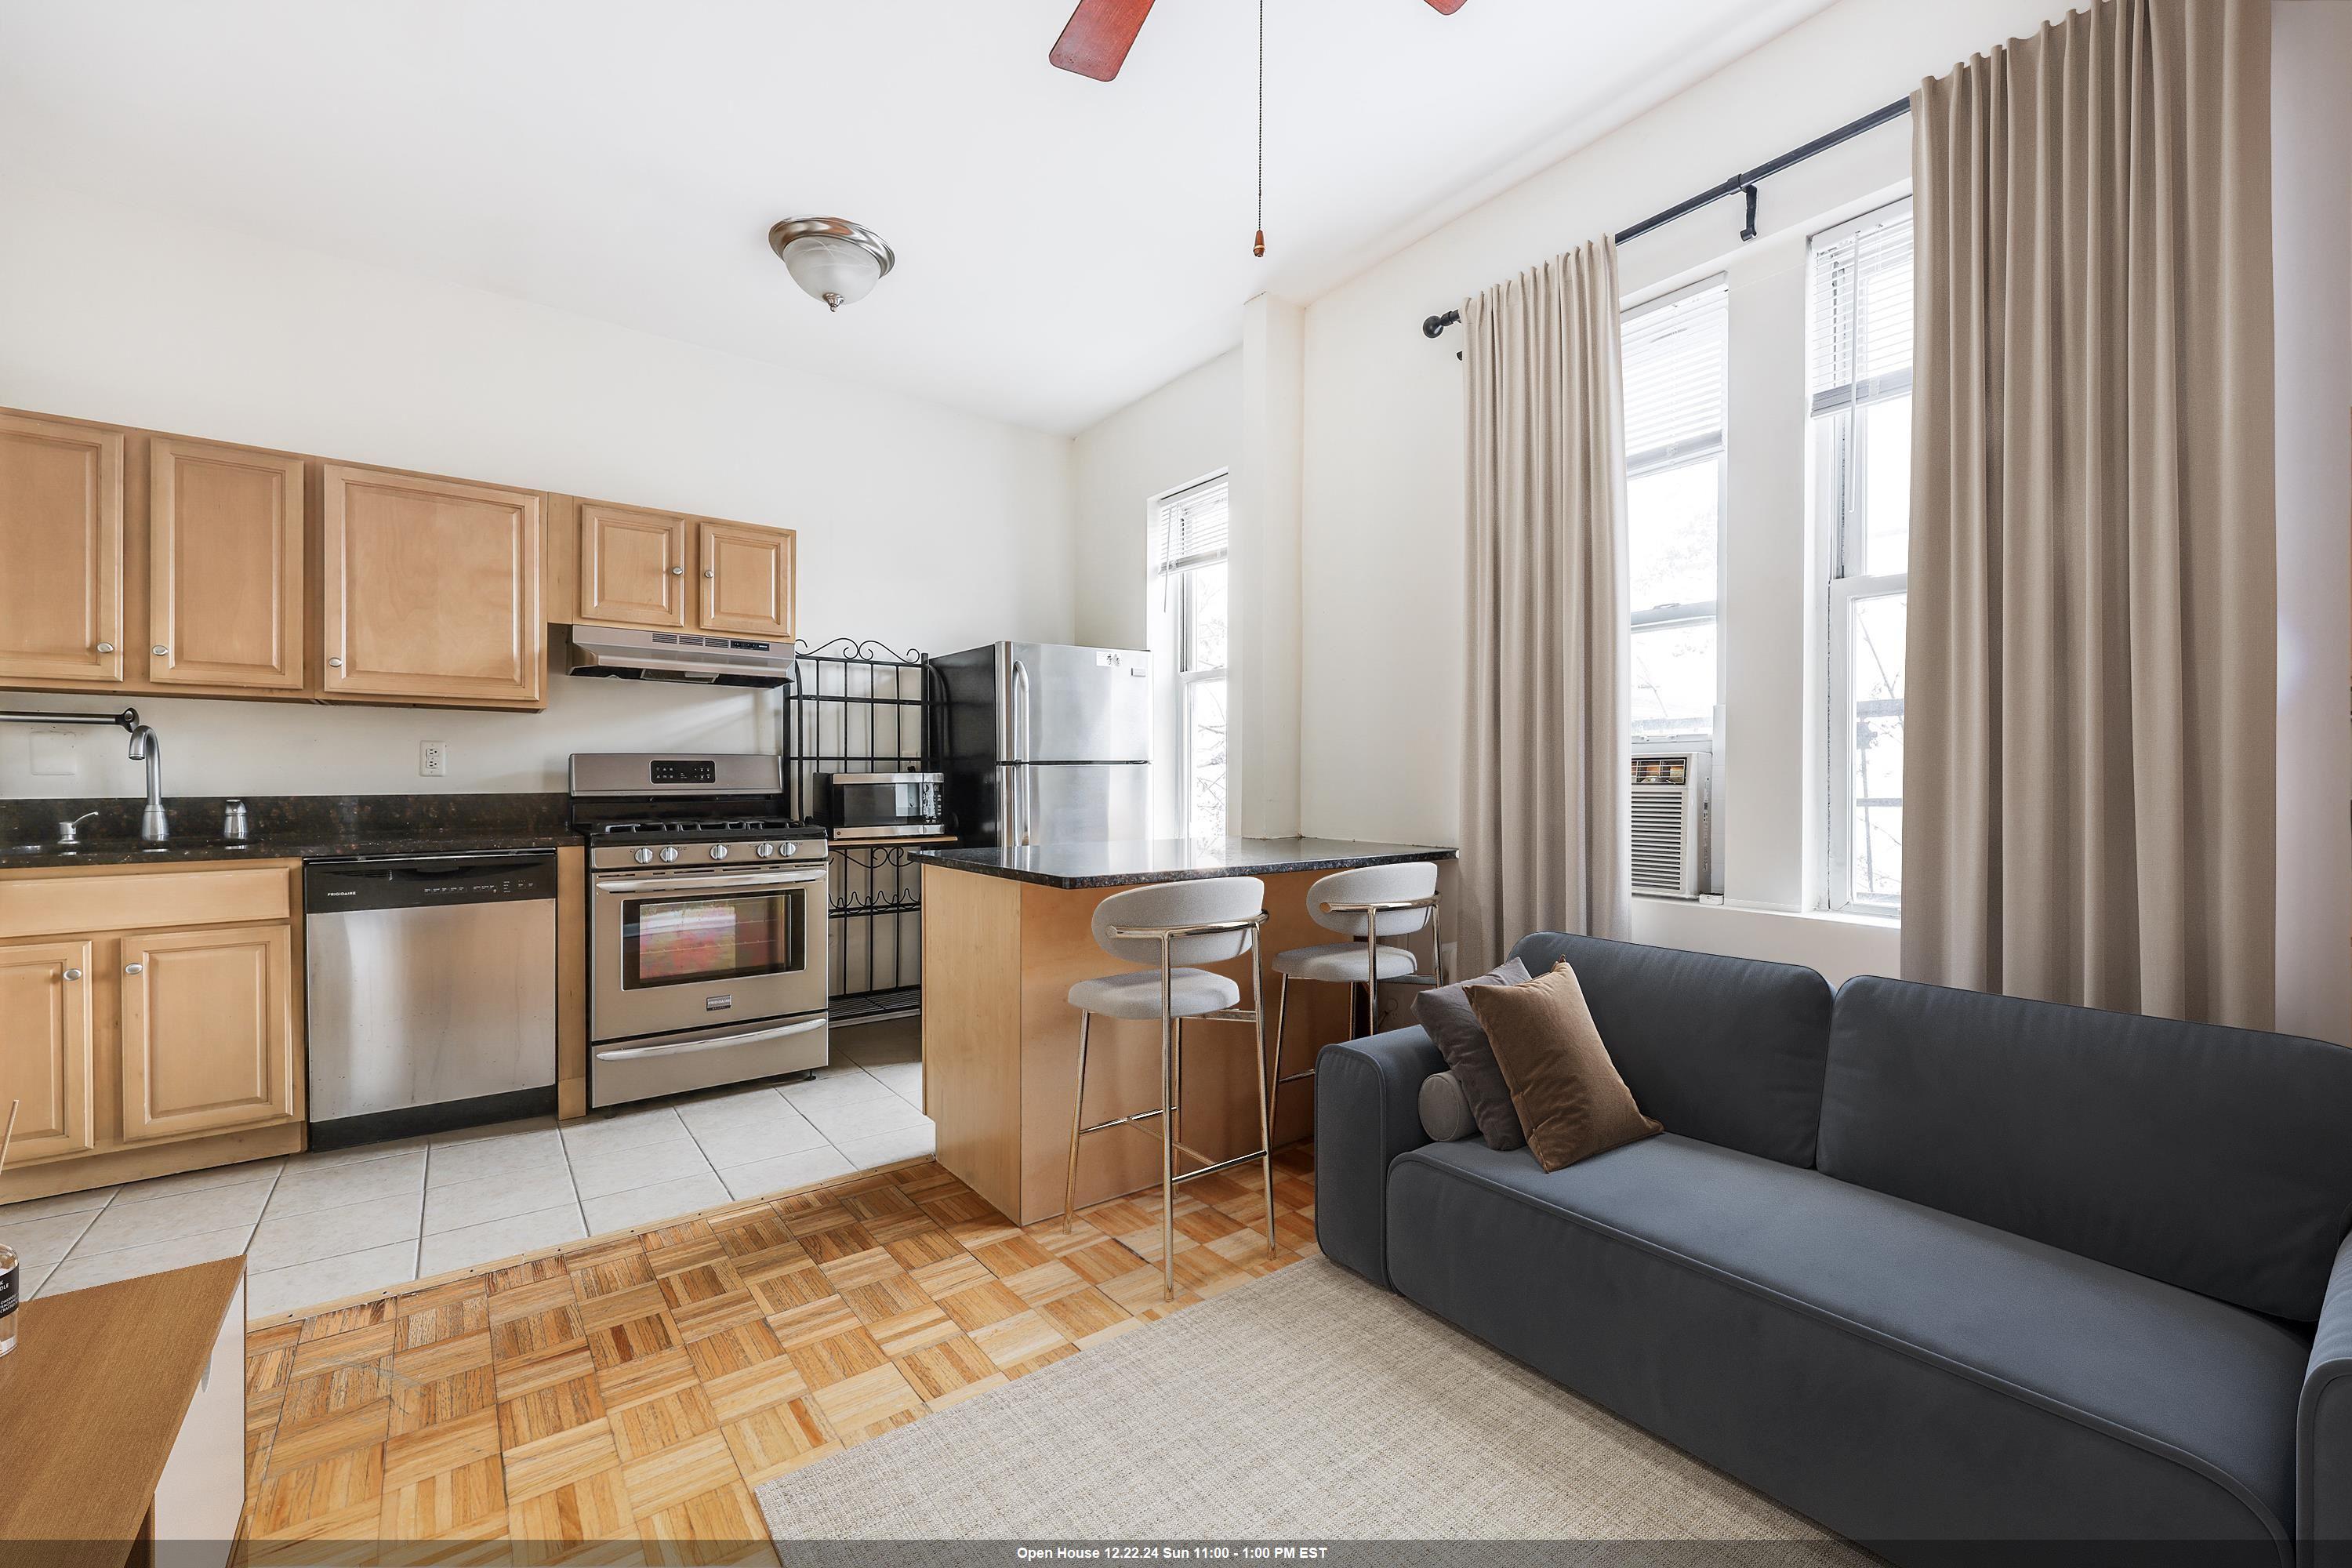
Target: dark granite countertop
point(1129, 863)
point(285, 827)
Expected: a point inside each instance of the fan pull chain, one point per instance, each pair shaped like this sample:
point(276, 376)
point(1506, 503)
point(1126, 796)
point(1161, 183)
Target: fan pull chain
point(1258, 247)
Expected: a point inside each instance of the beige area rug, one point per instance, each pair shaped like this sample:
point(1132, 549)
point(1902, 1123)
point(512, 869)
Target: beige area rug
point(1307, 1407)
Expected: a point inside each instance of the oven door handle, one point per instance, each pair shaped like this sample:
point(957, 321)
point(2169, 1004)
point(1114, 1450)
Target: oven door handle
point(680, 1048)
point(688, 884)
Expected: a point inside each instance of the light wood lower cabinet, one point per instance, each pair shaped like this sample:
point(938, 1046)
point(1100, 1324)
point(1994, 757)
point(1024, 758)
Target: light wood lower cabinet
point(207, 1030)
point(140, 1050)
point(46, 1046)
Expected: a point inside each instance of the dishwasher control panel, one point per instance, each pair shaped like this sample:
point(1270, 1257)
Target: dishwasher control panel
point(409, 882)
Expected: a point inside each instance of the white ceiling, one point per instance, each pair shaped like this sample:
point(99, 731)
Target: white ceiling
point(1065, 246)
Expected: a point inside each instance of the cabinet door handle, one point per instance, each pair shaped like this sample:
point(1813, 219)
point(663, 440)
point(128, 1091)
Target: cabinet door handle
point(73, 974)
point(678, 571)
point(134, 969)
point(334, 664)
point(711, 572)
point(106, 647)
point(159, 652)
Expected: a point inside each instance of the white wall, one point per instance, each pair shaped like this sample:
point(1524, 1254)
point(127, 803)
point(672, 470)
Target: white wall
point(917, 525)
point(2311, 142)
point(1263, 802)
point(1186, 431)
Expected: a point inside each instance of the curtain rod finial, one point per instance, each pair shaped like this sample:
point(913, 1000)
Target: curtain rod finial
point(1435, 325)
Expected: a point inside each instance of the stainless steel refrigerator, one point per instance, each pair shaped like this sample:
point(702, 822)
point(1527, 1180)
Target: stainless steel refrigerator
point(1046, 745)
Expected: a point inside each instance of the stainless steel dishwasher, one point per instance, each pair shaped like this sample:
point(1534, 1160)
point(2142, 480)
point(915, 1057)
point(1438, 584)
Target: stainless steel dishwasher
point(432, 992)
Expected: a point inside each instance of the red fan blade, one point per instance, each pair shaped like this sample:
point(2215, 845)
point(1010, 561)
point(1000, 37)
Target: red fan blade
point(1445, 7)
point(1100, 32)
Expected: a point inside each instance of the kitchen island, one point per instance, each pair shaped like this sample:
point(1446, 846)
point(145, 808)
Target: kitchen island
point(1006, 933)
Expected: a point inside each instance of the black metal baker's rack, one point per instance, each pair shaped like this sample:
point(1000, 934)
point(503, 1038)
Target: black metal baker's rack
point(864, 707)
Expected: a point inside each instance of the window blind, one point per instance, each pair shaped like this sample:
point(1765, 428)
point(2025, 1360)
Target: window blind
point(1190, 530)
point(1861, 310)
point(1675, 354)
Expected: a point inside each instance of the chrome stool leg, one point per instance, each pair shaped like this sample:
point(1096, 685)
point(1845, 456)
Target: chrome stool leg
point(1265, 1099)
point(1176, 1089)
point(1281, 1016)
point(1167, 1133)
point(1078, 1125)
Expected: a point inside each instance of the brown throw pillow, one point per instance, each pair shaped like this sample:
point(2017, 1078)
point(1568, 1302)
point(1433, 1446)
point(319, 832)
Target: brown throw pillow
point(1566, 1089)
point(1445, 1013)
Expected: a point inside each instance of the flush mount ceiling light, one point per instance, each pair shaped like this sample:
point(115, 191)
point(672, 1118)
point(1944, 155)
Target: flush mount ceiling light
point(831, 259)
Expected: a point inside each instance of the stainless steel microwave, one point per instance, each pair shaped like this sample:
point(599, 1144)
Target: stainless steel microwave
point(887, 805)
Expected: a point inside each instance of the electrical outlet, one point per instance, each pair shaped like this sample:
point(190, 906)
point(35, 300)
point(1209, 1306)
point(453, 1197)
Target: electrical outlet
point(433, 760)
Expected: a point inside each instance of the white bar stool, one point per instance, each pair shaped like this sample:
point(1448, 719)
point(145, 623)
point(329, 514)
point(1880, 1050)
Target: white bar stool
point(1174, 925)
point(1366, 904)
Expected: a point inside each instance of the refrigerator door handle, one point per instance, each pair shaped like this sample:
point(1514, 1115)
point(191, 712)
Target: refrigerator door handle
point(1012, 797)
point(1019, 802)
point(1020, 711)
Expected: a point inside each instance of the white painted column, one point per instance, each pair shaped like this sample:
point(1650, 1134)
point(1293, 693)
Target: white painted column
point(1769, 768)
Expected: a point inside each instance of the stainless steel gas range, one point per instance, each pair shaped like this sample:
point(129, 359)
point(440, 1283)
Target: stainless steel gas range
point(706, 923)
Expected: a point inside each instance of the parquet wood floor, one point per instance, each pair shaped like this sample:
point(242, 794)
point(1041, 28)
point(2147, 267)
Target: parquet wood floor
point(616, 1400)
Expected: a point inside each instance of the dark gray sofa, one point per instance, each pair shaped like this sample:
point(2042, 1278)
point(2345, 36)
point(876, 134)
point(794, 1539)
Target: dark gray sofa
point(1937, 1269)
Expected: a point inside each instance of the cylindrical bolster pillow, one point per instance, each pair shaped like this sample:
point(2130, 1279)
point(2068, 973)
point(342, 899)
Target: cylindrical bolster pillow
point(1444, 1108)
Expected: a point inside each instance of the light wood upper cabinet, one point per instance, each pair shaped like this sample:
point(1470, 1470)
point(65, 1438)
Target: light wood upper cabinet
point(224, 563)
point(632, 567)
point(430, 589)
point(46, 1046)
point(207, 1030)
point(747, 579)
point(61, 551)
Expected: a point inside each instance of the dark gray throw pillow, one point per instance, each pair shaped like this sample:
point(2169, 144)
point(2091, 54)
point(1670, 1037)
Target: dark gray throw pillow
point(1445, 1013)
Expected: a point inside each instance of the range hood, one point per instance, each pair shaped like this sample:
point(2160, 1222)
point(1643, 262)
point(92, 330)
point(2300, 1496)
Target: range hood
point(710, 658)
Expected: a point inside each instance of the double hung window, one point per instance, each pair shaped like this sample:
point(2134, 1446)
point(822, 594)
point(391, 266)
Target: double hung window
point(1674, 368)
point(1188, 560)
point(1860, 350)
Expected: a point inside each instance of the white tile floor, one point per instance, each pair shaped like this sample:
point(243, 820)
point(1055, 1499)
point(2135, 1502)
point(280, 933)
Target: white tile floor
point(316, 1227)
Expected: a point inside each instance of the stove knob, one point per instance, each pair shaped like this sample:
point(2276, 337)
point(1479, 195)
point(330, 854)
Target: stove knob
point(669, 852)
point(767, 852)
point(719, 852)
point(644, 857)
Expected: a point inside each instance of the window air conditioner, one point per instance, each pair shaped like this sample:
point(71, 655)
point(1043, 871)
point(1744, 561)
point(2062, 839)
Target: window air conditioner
point(1671, 799)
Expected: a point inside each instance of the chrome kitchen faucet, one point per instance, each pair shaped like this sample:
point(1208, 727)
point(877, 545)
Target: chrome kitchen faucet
point(153, 825)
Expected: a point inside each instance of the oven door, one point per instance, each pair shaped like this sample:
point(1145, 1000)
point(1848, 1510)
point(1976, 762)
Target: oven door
point(677, 950)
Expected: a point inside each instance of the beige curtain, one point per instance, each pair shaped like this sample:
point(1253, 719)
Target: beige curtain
point(2090, 712)
point(1546, 825)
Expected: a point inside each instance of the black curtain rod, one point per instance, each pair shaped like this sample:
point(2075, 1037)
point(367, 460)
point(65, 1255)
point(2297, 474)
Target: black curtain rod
point(1736, 186)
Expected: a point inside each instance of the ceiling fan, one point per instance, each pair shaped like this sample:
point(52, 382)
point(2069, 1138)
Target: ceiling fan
point(1100, 32)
